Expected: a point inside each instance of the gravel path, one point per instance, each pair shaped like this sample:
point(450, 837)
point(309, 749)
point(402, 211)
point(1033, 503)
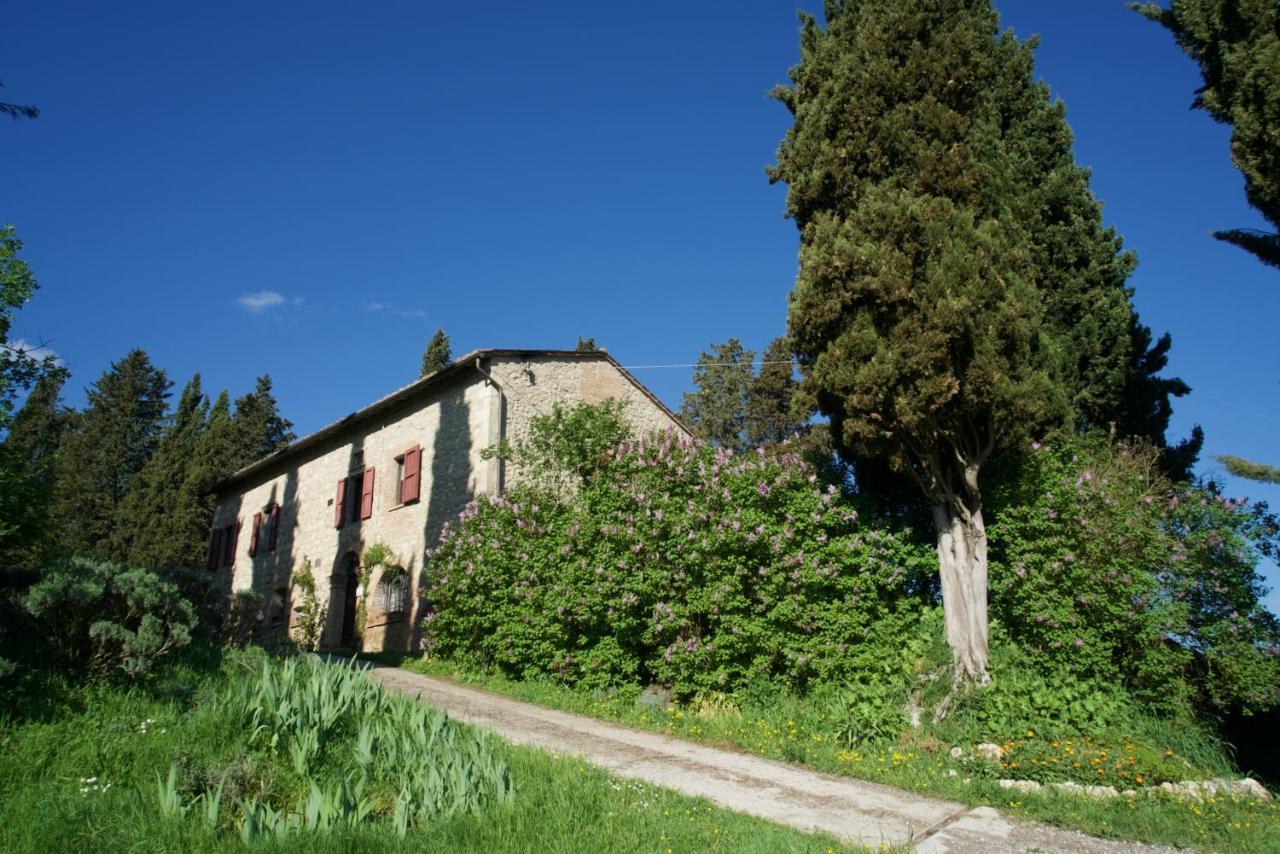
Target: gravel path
point(852, 810)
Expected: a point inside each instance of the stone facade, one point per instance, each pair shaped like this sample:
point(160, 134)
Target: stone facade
point(451, 416)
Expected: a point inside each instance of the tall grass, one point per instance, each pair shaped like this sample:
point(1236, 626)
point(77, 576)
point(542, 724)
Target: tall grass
point(178, 764)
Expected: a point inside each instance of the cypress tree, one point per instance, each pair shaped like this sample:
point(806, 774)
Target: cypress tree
point(717, 409)
point(438, 354)
point(1236, 43)
point(259, 427)
point(956, 295)
point(160, 521)
point(770, 417)
point(102, 452)
point(27, 458)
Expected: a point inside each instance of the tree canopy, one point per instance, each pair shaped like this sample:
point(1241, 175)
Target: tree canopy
point(438, 354)
point(1236, 43)
point(957, 293)
point(104, 449)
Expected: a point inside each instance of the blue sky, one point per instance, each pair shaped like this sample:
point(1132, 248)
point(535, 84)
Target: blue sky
point(310, 189)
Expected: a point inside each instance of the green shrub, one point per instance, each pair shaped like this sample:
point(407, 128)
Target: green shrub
point(565, 447)
point(102, 616)
point(1103, 569)
point(675, 563)
point(311, 614)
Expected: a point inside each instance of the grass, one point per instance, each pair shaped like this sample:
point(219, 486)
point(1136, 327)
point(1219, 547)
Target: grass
point(796, 730)
point(87, 771)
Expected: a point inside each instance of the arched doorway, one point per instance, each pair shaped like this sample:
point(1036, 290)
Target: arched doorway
point(349, 572)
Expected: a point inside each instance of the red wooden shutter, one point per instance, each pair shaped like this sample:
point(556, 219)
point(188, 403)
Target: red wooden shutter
point(215, 549)
point(366, 494)
point(253, 537)
point(410, 487)
point(275, 527)
point(340, 503)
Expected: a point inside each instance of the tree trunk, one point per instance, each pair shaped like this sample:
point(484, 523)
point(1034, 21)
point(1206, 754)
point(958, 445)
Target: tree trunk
point(962, 559)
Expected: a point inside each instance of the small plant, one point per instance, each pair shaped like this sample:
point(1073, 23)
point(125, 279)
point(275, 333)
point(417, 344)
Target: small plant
point(303, 707)
point(106, 617)
point(310, 619)
point(378, 554)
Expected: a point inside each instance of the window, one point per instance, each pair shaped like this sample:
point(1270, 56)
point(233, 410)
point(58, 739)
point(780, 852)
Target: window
point(354, 499)
point(395, 594)
point(222, 546)
point(266, 530)
point(409, 475)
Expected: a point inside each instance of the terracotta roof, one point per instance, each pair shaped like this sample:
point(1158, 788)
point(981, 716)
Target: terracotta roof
point(398, 396)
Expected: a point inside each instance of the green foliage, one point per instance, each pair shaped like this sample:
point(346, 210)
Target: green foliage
point(26, 452)
point(302, 707)
point(87, 775)
point(19, 369)
point(310, 613)
point(103, 617)
point(565, 446)
point(676, 563)
point(717, 409)
point(438, 354)
point(1236, 43)
point(377, 554)
point(103, 451)
point(1102, 568)
point(586, 345)
point(1248, 469)
point(27, 463)
point(770, 417)
point(735, 408)
point(163, 519)
point(257, 427)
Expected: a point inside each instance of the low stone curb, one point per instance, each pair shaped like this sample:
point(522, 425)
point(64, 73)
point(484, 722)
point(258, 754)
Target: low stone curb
point(1196, 790)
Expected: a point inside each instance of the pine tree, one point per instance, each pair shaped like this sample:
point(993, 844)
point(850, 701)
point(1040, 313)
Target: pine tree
point(33, 437)
point(160, 521)
point(27, 458)
point(957, 295)
point(259, 428)
point(1236, 43)
point(717, 409)
point(102, 452)
point(769, 414)
point(437, 355)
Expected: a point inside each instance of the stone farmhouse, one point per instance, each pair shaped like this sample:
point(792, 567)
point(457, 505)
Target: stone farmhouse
point(394, 473)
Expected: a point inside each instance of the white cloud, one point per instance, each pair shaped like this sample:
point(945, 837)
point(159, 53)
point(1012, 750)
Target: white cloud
point(260, 301)
point(35, 351)
point(411, 312)
point(375, 306)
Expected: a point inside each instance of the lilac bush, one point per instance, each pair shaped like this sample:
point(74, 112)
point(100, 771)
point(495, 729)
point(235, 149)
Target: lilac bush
point(1103, 568)
point(680, 564)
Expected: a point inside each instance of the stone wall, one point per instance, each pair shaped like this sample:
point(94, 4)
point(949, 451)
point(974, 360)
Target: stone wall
point(453, 421)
